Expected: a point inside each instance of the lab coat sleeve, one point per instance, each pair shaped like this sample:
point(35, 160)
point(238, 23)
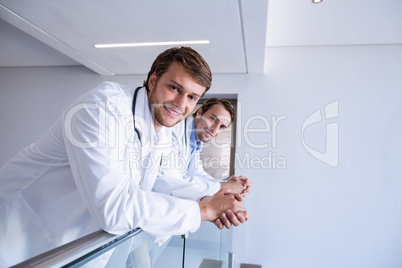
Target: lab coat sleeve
point(172, 183)
point(197, 175)
point(102, 175)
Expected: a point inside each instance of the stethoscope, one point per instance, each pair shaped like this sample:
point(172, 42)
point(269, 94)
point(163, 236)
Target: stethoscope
point(136, 129)
point(133, 109)
point(185, 131)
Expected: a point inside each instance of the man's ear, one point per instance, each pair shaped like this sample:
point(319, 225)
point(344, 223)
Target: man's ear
point(199, 112)
point(152, 81)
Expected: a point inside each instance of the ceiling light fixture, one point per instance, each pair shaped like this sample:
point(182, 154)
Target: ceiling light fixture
point(153, 44)
point(317, 1)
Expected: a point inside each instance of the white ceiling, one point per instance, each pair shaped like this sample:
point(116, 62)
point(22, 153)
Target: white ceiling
point(334, 22)
point(59, 32)
point(63, 33)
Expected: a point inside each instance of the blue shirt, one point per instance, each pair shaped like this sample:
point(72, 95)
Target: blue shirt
point(194, 145)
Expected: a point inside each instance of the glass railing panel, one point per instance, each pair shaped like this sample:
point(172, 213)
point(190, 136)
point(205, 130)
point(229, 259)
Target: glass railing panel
point(88, 249)
point(208, 247)
point(170, 254)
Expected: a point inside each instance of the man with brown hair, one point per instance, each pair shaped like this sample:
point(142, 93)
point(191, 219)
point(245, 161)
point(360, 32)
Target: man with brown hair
point(207, 123)
point(96, 166)
point(211, 119)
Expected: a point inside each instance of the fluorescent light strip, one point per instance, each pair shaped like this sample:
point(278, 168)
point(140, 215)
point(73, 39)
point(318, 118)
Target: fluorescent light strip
point(152, 44)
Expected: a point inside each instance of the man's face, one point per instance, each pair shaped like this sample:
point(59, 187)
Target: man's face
point(172, 96)
point(210, 124)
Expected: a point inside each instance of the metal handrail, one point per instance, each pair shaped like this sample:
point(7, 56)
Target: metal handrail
point(80, 251)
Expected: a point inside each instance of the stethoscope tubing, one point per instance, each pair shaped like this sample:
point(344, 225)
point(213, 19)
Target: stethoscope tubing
point(133, 109)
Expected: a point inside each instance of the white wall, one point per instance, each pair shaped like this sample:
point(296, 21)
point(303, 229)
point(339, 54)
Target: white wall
point(32, 98)
point(311, 214)
point(307, 214)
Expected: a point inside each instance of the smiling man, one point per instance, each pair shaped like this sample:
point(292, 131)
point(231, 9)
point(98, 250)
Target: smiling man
point(96, 166)
point(207, 123)
point(172, 96)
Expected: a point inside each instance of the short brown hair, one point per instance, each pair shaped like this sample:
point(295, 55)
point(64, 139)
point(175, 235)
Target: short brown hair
point(212, 101)
point(189, 59)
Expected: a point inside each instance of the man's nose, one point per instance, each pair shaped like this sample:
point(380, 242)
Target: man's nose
point(214, 127)
point(180, 102)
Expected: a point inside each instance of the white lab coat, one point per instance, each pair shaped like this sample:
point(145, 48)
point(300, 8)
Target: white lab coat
point(190, 167)
point(85, 174)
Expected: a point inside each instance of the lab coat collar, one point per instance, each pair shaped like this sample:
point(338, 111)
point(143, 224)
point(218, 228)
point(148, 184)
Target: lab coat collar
point(153, 144)
point(144, 123)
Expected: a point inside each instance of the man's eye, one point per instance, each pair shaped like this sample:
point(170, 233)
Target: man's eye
point(223, 127)
point(192, 98)
point(173, 87)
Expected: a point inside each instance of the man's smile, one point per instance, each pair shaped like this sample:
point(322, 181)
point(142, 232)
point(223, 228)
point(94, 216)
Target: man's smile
point(171, 111)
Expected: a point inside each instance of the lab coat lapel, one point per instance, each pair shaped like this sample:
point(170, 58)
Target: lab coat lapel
point(141, 137)
point(189, 130)
point(151, 170)
point(159, 148)
point(152, 148)
point(143, 121)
